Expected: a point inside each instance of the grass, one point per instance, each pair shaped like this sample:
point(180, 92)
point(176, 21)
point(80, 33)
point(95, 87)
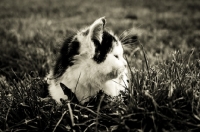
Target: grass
point(164, 95)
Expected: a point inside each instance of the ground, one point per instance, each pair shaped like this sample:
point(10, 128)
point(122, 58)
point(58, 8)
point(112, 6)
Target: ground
point(165, 65)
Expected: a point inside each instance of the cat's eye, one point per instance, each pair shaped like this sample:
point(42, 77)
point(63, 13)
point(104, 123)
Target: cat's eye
point(116, 56)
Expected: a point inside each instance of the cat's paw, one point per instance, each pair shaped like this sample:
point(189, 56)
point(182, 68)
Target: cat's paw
point(64, 97)
point(59, 98)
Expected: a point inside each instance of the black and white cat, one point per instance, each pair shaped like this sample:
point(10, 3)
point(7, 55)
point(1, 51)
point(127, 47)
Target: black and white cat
point(89, 61)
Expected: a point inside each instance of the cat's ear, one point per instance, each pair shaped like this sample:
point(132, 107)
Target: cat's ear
point(129, 40)
point(129, 37)
point(96, 29)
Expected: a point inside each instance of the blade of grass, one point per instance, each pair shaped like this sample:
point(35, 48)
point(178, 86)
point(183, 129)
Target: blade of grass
point(145, 58)
point(59, 121)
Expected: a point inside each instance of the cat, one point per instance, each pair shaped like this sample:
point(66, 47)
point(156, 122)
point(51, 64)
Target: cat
point(90, 60)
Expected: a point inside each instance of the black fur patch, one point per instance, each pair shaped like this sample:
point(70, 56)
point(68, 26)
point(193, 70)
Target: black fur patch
point(104, 48)
point(69, 49)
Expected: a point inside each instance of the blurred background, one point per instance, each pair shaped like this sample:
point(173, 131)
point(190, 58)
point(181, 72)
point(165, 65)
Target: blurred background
point(31, 30)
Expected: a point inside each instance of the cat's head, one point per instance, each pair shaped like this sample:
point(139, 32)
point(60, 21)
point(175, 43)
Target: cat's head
point(103, 47)
point(95, 43)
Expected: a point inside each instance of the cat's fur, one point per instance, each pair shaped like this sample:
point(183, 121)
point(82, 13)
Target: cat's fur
point(89, 61)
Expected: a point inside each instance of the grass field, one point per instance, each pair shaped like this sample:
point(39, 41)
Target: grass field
point(165, 91)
